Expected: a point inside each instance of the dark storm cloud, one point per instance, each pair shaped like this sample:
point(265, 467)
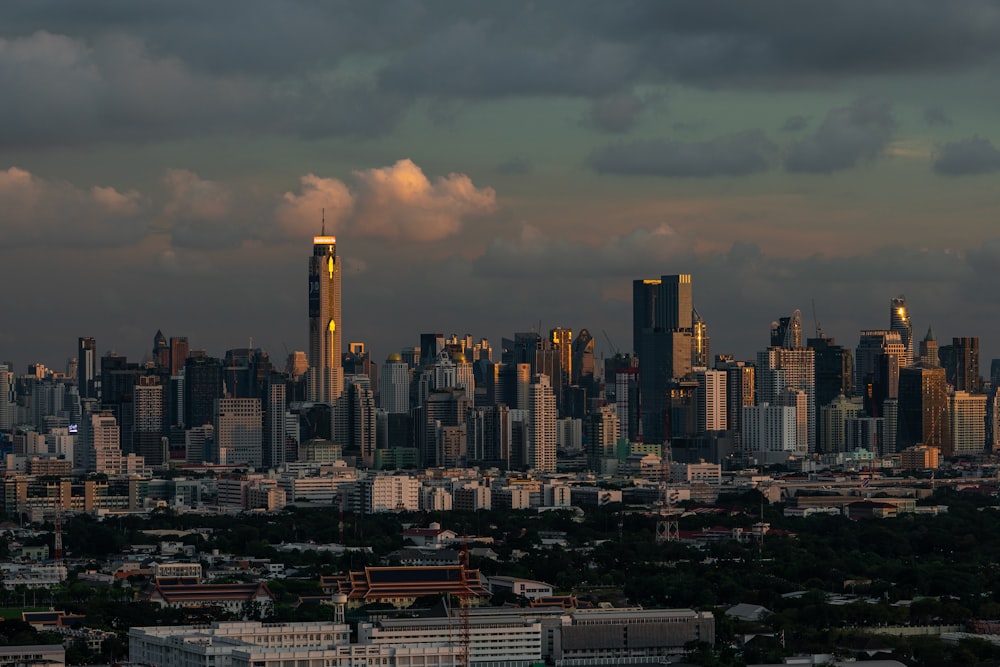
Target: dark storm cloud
point(731, 155)
point(974, 155)
point(118, 70)
point(936, 116)
point(797, 44)
point(846, 136)
point(479, 60)
point(615, 113)
point(795, 123)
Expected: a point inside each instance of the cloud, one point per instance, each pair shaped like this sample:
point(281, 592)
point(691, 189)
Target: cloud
point(846, 136)
point(515, 166)
point(731, 155)
point(534, 254)
point(400, 203)
point(615, 113)
point(299, 215)
point(936, 116)
point(396, 203)
point(795, 123)
point(497, 57)
point(973, 155)
point(34, 211)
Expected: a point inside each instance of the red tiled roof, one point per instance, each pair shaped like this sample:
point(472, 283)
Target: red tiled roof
point(375, 584)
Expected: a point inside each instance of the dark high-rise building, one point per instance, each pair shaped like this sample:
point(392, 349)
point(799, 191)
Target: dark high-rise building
point(885, 384)
point(118, 380)
point(178, 353)
point(645, 296)
point(701, 343)
point(202, 386)
point(662, 314)
point(582, 367)
point(148, 422)
point(431, 345)
point(834, 369)
point(87, 367)
point(740, 381)
point(326, 376)
point(961, 364)
point(161, 351)
point(787, 332)
point(923, 408)
point(872, 344)
point(443, 409)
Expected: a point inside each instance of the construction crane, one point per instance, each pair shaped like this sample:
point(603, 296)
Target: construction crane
point(464, 605)
point(610, 344)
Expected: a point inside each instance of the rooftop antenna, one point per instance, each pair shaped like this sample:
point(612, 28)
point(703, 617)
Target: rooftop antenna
point(323, 214)
point(819, 332)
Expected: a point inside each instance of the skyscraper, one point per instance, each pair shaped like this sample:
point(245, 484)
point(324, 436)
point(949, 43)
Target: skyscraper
point(541, 440)
point(86, 367)
point(662, 320)
point(899, 321)
point(923, 408)
point(779, 368)
point(961, 363)
point(326, 377)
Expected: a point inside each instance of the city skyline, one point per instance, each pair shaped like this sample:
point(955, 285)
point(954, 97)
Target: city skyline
point(489, 168)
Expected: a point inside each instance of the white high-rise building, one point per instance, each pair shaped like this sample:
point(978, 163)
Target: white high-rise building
point(541, 440)
point(394, 385)
point(239, 431)
point(967, 414)
point(326, 373)
point(780, 368)
point(274, 423)
point(770, 432)
point(711, 397)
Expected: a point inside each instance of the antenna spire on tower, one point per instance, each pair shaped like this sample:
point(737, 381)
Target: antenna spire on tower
point(323, 213)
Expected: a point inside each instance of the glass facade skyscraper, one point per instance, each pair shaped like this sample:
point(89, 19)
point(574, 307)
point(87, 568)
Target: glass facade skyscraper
point(326, 376)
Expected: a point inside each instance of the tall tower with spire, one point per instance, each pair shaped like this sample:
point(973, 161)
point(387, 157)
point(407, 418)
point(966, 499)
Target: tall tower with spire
point(326, 375)
point(899, 320)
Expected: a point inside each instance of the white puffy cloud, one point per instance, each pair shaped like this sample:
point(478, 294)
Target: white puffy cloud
point(396, 203)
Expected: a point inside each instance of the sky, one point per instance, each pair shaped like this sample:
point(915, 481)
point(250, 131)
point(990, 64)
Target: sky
point(493, 167)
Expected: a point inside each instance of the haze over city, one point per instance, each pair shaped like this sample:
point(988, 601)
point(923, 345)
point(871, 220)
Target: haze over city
point(490, 168)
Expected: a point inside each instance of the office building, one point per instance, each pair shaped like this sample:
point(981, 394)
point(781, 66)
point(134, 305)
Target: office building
point(787, 331)
point(770, 432)
point(87, 368)
point(899, 321)
point(872, 344)
point(394, 385)
point(961, 364)
point(239, 431)
point(923, 408)
point(780, 368)
point(929, 357)
point(662, 313)
point(833, 418)
point(741, 378)
point(326, 381)
point(148, 421)
point(202, 386)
